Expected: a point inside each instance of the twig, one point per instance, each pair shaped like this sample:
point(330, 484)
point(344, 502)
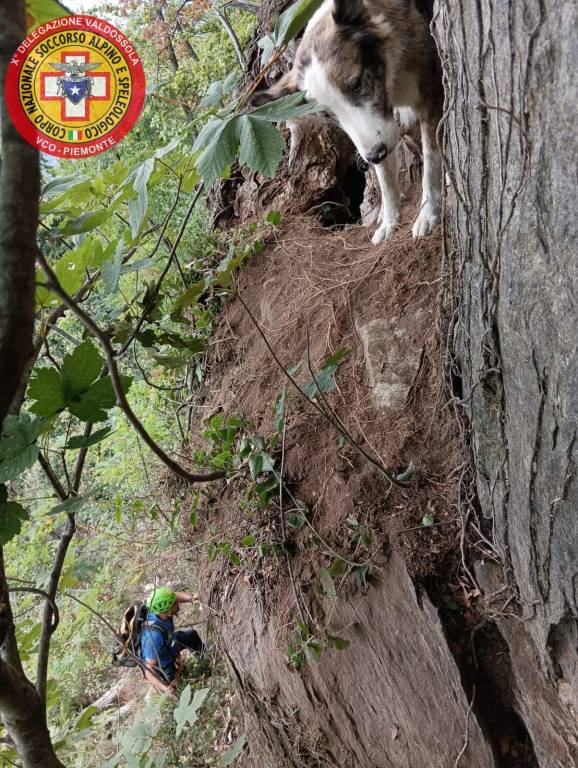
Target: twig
point(46, 596)
point(122, 401)
point(330, 417)
point(467, 730)
point(282, 521)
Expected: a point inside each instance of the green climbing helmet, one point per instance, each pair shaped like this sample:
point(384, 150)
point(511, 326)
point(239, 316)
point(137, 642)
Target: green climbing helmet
point(161, 600)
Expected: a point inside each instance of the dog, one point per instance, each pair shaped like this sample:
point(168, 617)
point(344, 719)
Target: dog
point(372, 66)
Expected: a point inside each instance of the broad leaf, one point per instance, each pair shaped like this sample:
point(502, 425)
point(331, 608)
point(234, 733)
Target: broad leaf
point(325, 380)
point(111, 270)
point(286, 108)
point(47, 389)
point(219, 153)
point(96, 401)
point(187, 710)
point(85, 719)
point(12, 515)
point(80, 441)
point(213, 96)
point(18, 449)
point(70, 506)
point(407, 474)
point(87, 221)
point(63, 184)
point(327, 583)
point(80, 369)
point(229, 757)
point(261, 145)
point(294, 19)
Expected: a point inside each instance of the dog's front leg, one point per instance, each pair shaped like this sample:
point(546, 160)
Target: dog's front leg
point(387, 176)
point(430, 210)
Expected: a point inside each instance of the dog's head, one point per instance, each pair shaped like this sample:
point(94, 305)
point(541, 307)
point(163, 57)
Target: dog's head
point(341, 63)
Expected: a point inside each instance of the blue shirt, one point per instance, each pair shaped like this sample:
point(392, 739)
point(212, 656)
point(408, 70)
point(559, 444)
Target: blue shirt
point(158, 646)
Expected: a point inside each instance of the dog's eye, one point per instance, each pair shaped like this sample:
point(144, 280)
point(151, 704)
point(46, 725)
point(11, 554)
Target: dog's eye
point(356, 85)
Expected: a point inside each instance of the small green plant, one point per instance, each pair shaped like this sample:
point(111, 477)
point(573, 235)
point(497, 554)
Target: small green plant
point(305, 645)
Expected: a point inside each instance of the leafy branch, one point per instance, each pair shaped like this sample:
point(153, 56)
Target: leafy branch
point(116, 380)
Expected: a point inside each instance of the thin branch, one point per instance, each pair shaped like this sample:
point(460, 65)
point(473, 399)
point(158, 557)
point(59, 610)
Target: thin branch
point(46, 596)
point(81, 458)
point(53, 479)
point(335, 422)
point(153, 297)
point(48, 624)
point(122, 401)
point(221, 14)
point(282, 521)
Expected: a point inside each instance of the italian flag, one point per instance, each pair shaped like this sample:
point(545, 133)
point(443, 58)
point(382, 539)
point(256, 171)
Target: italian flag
point(74, 135)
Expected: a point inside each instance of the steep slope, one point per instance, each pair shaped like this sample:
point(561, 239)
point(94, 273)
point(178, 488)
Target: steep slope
point(406, 677)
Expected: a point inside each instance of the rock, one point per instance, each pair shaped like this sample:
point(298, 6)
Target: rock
point(391, 361)
point(383, 703)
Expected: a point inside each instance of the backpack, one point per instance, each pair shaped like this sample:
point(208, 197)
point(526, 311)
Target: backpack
point(128, 640)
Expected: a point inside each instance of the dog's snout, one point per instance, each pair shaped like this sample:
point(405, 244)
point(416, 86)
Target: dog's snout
point(377, 153)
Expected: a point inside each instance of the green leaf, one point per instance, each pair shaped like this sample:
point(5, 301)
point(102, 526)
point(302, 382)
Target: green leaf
point(94, 404)
point(219, 153)
point(427, 520)
point(229, 757)
point(286, 108)
point(261, 145)
point(63, 184)
point(327, 583)
point(187, 710)
point(111, 270)
point(324, 380)
point(248, 541)
point(338, 567)
point(360, 573)
point(12, 515)
point(47, 389)
point(168, 361)
point(70, 506)
point(85, 719)
point(274, 218)
point(213, 96)
point(294, 19)
point(80, 441)
point(87, 221)
point(18, 449)
point(191, 295)
point(296, 520)
point(229, 83)
point(80, 369)
point(339, 643)
point(255, 465)
point(407, 474)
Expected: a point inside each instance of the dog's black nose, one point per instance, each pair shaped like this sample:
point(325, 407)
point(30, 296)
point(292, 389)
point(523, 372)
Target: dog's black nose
point(377, 153)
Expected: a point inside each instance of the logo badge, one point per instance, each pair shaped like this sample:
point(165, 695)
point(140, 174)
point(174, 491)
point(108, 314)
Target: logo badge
point(75, 87)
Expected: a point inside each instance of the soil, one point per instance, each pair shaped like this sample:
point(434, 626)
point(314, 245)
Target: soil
point(313, 291)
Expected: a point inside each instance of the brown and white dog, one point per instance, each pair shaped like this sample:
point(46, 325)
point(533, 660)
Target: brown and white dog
point(362, 61)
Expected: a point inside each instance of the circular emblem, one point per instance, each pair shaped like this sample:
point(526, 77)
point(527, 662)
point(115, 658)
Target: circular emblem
point(75, 87)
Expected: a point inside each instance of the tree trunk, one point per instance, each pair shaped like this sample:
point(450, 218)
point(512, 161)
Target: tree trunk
point(21, 709)
point(19, 193)
point(510, 150)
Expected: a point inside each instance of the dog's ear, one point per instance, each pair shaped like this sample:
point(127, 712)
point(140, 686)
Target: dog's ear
point(350, 13)
point(283, 87)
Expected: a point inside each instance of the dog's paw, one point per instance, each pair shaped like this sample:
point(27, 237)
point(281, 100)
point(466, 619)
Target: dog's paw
point(426, 222)
point(385, 230)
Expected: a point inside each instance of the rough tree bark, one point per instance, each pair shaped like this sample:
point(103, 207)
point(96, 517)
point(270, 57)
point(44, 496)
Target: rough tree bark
point(511, 153)
point(21, 709)
point(19, 192)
